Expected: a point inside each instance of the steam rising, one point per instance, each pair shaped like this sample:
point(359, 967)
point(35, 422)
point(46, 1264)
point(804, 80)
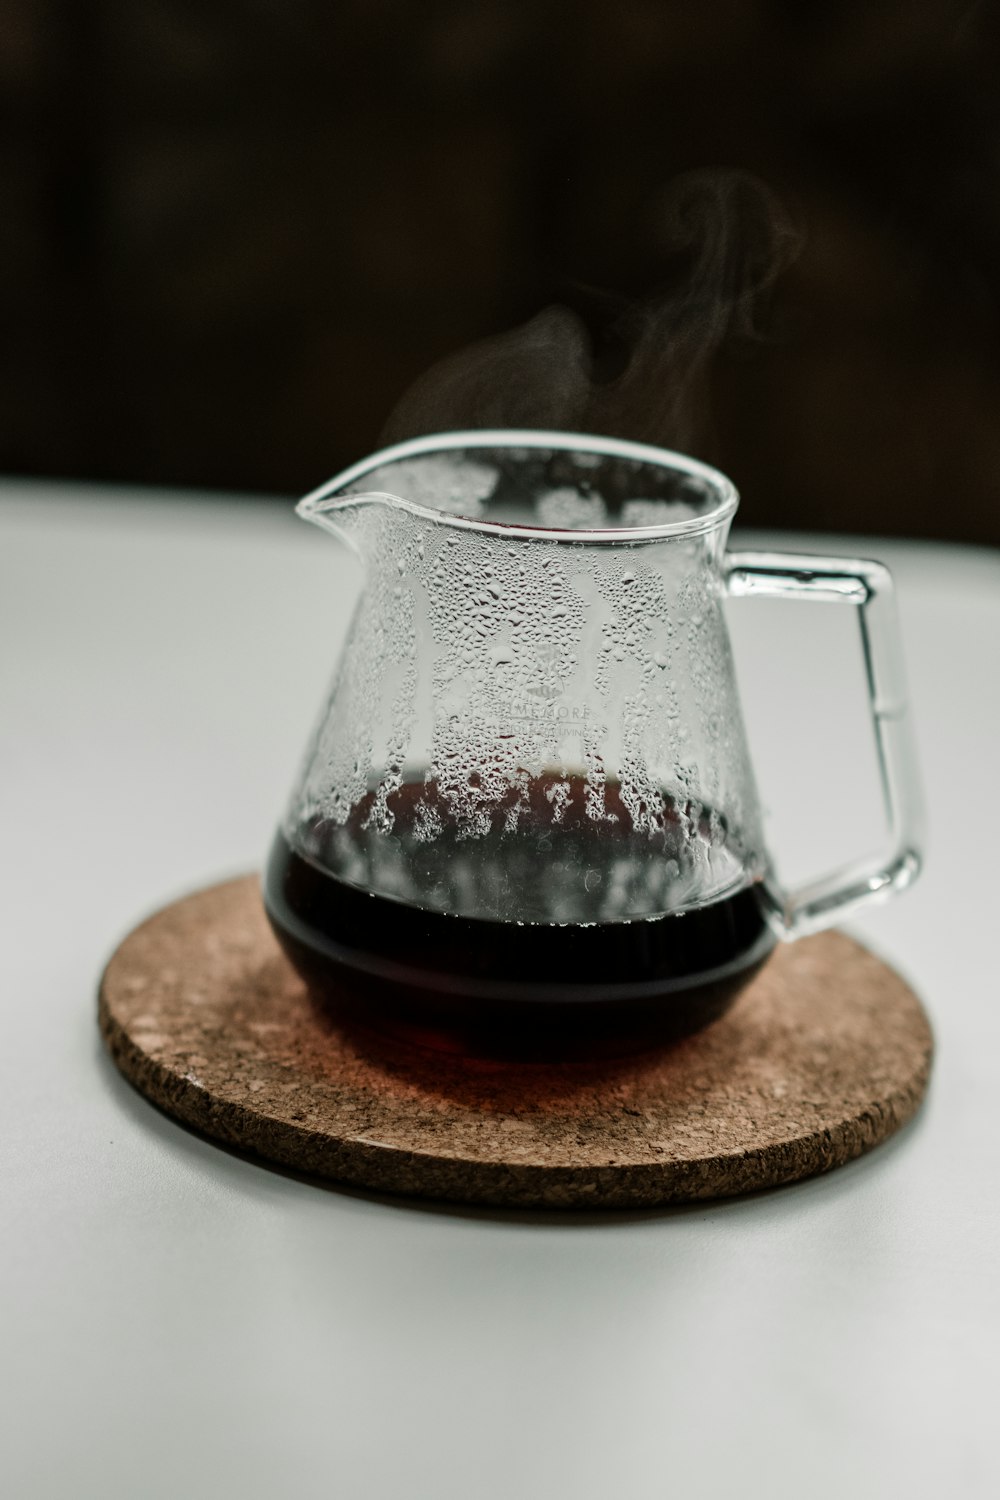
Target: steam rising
point(725, 239)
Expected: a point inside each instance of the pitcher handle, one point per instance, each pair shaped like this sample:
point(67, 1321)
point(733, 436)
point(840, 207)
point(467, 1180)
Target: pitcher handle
point(869, 587)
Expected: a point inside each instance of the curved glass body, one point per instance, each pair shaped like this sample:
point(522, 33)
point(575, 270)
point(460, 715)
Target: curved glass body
point(528, 811)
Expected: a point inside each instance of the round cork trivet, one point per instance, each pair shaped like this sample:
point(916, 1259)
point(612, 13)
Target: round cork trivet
point(824, 1055)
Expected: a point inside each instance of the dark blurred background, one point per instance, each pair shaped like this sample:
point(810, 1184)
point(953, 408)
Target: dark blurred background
point(234, 233)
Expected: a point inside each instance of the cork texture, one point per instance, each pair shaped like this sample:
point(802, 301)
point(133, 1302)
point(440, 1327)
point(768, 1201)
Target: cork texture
point(824, 1055)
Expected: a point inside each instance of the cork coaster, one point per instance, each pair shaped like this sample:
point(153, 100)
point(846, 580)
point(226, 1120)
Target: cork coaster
point(825, 1054)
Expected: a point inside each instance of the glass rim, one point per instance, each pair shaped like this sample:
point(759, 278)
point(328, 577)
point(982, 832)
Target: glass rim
point(330, 497)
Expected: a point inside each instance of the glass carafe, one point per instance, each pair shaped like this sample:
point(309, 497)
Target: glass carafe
point(527, 819)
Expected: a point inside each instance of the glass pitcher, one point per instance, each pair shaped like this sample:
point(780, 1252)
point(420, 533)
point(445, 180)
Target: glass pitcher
point(527, 818)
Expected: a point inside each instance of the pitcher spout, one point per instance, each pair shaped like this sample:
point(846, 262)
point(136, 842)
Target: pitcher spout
point(335, 513)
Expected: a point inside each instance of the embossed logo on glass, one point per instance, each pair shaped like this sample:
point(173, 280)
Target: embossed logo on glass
point(547, 682)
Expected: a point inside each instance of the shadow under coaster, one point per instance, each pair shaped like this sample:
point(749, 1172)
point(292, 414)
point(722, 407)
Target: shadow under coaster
point(825, 1054)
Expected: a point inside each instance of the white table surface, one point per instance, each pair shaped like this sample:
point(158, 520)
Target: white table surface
point(179, 1321)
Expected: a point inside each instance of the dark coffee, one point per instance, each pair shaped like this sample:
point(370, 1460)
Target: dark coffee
point(568, 979)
